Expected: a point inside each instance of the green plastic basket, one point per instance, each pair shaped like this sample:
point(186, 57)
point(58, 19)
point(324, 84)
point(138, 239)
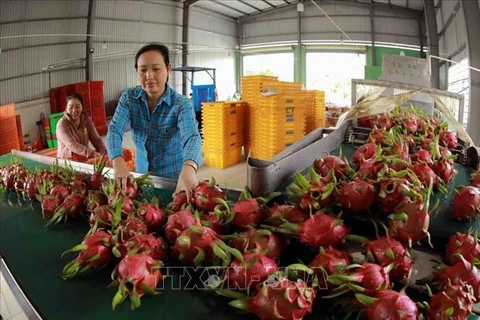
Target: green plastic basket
point(54, 118)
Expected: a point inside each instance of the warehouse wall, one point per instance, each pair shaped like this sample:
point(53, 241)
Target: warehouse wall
point(38, 34)
point(354, 19)
point(452, 45)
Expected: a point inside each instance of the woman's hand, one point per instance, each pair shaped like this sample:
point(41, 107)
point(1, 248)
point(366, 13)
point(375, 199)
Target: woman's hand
point(121, 172)
point(187, 181)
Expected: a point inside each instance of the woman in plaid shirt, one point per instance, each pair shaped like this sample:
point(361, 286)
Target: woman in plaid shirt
point(163, 124)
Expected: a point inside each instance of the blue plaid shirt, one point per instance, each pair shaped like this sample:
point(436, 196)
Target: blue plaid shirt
point(164, 139)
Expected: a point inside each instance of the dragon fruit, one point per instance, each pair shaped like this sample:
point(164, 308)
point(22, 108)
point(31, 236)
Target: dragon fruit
point(392, 192)
point(448, 139)
point(179, 201)
point(422, 156)
point(443, 168)
point(278, 299)
point(258, 241)
point(409, 223)
point(134, 186)
point(49, 204)
point(152, 214)
point(454, 302)
point(177, 222)
point(424, 173)
point(97, 178)
point(253, 270)
point(366, 122)
point(136, 275)
point(384, 251)
point(248, 211)
point(132, 227)
point(155, 247)
point(95, 252)
point(357, 196)
point(466, 204)
point(282, 213)
point(320, 230)
point(72, 206)
point(206, 195)
point(365, 152)
point(60, 190)
point(382, 121)
point(367, 278)
point(377, 136)
point(101, 217)
point(197, 245)
point(331, 261)
point(94, 200)
point(314, 193)
point(466, 245)
point(462, 272)
point(339, 166)
point(389, 304)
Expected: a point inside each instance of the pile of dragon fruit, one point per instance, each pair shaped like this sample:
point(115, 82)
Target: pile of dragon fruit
point(407, 157)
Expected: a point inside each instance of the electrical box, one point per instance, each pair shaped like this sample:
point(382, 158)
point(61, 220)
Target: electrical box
point(202, 93)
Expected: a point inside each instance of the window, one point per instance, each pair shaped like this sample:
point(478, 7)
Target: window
point(459, 82)
point(271, 64)
point(332, 73)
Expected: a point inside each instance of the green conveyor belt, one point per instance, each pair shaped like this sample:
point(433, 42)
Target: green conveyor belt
point(32, 252)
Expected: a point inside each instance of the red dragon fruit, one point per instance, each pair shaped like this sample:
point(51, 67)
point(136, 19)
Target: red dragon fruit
point(382, 121)
point(371, 169)
point(253, 270)
point(339, 166)
point(72, 207)
point(331, 261)
point(278, 299)
point(248, 211)
point(95, 252)
point(320, 230)
point(178, 222)
point(462, 272)
point(97, 178)
point(466, 245)
point(101, 217)
point(424, 173)
point(377, 136)
point(206, 195)
point(152, 214)
point(179, 201)
point(132, 227)
point(443, 168)
point(94, 200)
point(367, 278)
point(61, 190)
point(466, 204)
point(134, 186)
point(448, 139)
point(357, 196)
point(475, 179)
point(197, 245)
point(258, 241)
point(50, 204)
point(392, 192)
point(314, 193)
point(365, 152)
point(282, 213)
point(384, 251)
point(136, 275)
point(366, 122)
point(455, 302)
point(389, 304)
point(31, 186)
point(155, 247)
point(422, 156)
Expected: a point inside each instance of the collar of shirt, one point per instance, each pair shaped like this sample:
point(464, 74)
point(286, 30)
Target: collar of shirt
point(141, 94)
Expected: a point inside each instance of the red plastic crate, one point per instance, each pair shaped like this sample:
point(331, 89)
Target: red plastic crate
point(96, 85)
point(81, 87)
point(102, 130)
point(53, 100)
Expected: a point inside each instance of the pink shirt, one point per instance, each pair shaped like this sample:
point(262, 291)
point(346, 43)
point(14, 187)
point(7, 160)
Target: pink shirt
point(73, 140)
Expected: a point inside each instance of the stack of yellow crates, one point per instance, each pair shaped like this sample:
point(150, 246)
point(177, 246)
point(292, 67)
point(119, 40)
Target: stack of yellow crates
point(252, 86)
point(315, 109)
point(223, 133)
point(279, 122)
point(319, 112)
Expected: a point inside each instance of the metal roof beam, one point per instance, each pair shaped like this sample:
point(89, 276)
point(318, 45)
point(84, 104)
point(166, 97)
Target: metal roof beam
point(271, 5)
point(231, 8)
point(251, 6)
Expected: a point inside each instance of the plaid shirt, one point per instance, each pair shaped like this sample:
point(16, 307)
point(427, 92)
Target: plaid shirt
point(164, 139)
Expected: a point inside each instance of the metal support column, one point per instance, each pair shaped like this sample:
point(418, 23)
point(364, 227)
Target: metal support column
point(432, 39)
point(92, 4)
point(238, 58)
point(471, 11)
point(186, 11)
point(372, 35)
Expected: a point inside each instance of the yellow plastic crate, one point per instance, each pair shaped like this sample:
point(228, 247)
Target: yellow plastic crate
point(227, 158)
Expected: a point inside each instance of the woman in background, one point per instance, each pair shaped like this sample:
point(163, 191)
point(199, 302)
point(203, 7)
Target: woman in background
point(75, 130)
point(163, 124)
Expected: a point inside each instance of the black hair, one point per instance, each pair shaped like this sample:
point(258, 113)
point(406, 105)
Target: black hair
point(154, 46)
point(75, 96)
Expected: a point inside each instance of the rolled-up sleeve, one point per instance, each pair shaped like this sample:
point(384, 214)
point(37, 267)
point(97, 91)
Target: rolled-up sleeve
point(117, 127)
point(191, 140)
